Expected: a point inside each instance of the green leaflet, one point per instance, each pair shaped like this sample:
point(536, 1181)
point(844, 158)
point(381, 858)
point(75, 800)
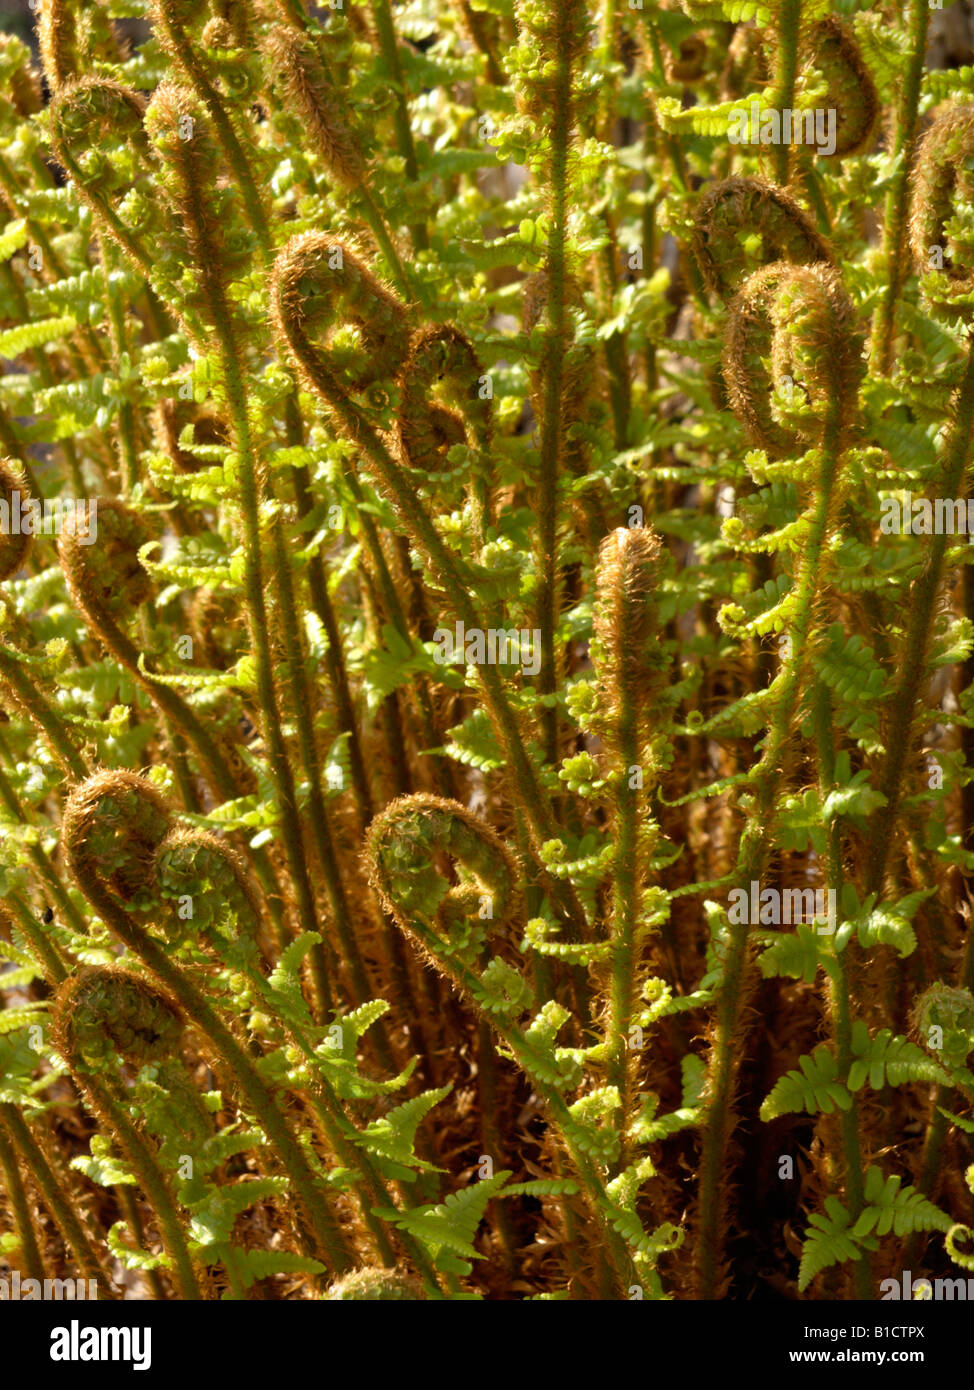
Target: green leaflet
point(829, 1241)
point(14, 341)
point(102, 1167)
point(815, 1086)
point(885, 1059)
point(448, 1229)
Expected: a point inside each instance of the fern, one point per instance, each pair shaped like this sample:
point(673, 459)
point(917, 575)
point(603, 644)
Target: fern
point(815, 1086)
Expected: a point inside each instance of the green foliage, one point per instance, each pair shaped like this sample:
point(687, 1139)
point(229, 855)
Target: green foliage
point(492, 562)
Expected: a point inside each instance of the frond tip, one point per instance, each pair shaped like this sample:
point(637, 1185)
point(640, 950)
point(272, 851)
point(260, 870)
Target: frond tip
point(319, 285)
point(15, 539)
point(373, 1285)
point(104, 1013)
point(113, 824)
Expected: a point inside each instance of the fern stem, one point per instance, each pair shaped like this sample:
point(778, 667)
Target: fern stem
point(610, 1250)
point(19, 1201)
point(239, 1065)
point(40, 944)
point(897, 196)
point(552, 425)
point(911, 661)
point(130, 1209)
point(250, 486)
point(786, 71)
point(389, 48)
point(37, 706)
point(55, 1200)
point(840, 997)
point(307, 741)
point(625, 916)
point(111, 1111)
point(754, 852)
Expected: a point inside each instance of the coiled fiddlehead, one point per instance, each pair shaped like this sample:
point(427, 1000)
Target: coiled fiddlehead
point(320, 285)
point(98, 138)
point(740, 206)
point(114, 580)
point(305, 85)
point(172, 20)
point(199, 866)
point(105, 881)
point(104, 1013)
point(15, 542)
point(797, 321)
point(451, 924)
point(377, 1286)
point(851, 90)
point(114, 830)
point(443, 359)
point(400, 846)
point(940, 232)
point(206, 232)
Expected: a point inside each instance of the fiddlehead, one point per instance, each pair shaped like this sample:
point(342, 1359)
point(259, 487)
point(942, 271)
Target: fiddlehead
point(401, 844)
point(173, 19)
point(746, 207)
point(456, 923)
point(105, 875)
point(98, 138)
point(377, 1286)
point(15, 541)
point(321, 285)
point(851, 90)
point(443, 359)
point(198, 866)
point(305, 84)
point(631, 665)
point(114, 580)
point(940, 236)
point(798, 322)
point(113, 827)
point(104, 1014)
